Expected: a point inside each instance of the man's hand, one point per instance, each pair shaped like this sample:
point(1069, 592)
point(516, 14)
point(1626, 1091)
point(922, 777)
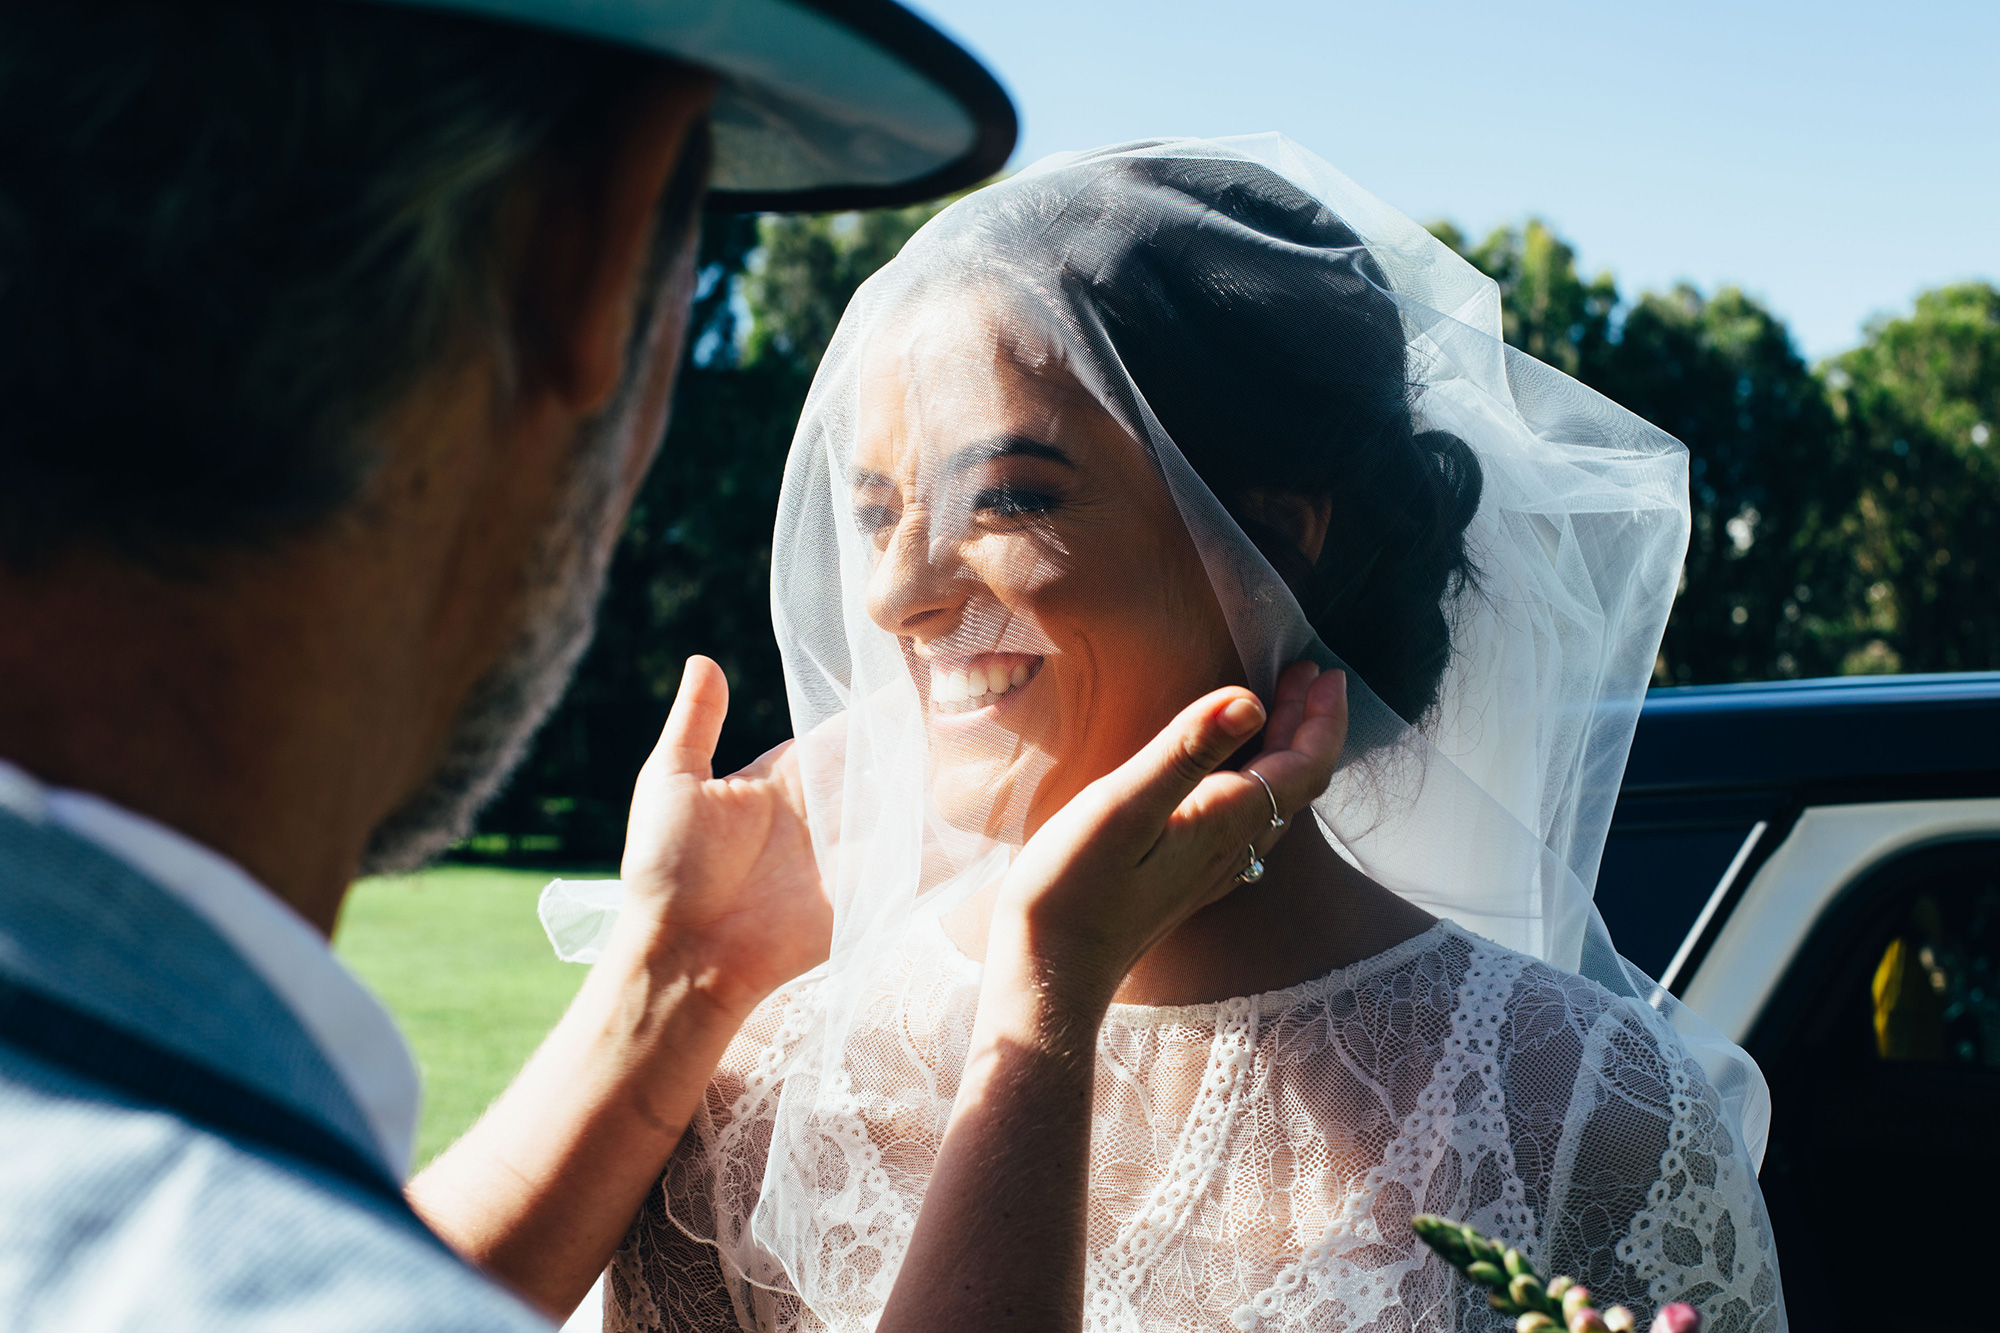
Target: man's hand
point(723, 906)
point(719, 874)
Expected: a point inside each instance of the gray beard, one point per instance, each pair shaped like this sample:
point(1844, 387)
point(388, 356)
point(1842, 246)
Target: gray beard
point(491, 735)
point(565, 581)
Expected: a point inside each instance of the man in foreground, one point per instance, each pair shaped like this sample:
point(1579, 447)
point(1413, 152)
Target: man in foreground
point(334, 341)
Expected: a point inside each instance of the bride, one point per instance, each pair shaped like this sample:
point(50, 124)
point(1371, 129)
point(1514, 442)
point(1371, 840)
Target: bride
point(1131, 426)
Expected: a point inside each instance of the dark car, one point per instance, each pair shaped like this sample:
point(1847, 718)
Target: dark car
point(1814, 867)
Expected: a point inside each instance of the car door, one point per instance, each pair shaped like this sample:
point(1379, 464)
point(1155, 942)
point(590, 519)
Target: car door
point(1881, 1042)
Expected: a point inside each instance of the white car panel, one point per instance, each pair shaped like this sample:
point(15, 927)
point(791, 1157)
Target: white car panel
point(1829, 848)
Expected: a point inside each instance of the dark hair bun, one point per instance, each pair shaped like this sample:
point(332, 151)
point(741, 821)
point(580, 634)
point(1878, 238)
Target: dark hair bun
point(1265, 340)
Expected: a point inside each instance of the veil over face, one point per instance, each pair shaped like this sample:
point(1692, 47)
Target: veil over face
point(1129, 426)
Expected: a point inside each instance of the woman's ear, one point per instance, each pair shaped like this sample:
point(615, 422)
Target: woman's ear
point(1303, 520)
point(588, 241)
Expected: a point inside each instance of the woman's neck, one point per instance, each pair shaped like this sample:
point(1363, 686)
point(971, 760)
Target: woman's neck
point(1311, 913)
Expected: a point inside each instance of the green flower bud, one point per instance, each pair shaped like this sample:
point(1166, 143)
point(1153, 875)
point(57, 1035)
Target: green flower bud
point(1559, 1285)
point(1486, 1275)
point(1620, 1320)
point(1444, 1237)
point(1576, 1298)
point(1499, 1301)
point(1587, 1320)
point(1535, 1322)
point(1517, 1264)
point(1526, 1291)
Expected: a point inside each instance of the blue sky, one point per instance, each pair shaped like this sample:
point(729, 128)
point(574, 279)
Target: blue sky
point(1833, 159)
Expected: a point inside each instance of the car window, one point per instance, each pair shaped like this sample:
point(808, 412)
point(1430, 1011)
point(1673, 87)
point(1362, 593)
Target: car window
point(1932, 995)
point(1661, 862)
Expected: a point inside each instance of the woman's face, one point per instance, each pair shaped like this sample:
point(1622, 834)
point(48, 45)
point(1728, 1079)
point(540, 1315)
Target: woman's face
point(1050, 604)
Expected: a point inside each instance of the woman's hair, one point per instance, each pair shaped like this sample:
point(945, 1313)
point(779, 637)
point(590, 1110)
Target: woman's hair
point(1261, 334)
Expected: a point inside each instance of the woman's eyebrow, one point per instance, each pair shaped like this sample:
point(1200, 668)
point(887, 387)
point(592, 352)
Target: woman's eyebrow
point(1004, 446)
point(971, 456)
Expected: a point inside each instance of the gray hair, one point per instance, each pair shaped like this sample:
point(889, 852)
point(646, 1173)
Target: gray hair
point(233, 232)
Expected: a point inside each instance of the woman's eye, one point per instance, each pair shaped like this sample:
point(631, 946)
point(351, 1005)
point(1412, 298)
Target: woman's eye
point(1008, 503)
point(874, 519)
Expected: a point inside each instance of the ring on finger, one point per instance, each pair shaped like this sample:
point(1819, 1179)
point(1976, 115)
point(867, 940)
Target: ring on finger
point(1277, 820)
point(1254, 871)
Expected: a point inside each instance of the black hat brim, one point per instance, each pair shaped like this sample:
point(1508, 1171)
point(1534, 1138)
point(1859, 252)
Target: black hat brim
point(821, 105)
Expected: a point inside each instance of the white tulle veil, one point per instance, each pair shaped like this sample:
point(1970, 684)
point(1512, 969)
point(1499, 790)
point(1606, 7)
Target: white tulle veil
point(1491, 810)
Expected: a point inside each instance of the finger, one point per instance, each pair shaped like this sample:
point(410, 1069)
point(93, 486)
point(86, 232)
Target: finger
point(1146, 789)
point(1299, 772)
point(1288, 709)
point(1231, 811)
point(687, 742)
point(1228, 812)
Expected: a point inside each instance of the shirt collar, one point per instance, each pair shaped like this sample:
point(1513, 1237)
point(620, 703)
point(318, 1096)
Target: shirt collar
point(350, 1026)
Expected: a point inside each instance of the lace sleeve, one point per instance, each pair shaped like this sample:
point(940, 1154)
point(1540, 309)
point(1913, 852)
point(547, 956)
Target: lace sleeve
point(662, 1280)
point(1650, 1199)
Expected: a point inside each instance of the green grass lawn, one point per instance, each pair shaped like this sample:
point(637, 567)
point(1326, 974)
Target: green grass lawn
point(458, 956)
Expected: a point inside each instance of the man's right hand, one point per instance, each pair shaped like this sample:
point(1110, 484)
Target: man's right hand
point(723, 906)
point(720, 880)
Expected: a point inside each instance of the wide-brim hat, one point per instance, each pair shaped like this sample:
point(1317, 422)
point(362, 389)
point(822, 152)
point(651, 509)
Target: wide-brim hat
point(823, 104)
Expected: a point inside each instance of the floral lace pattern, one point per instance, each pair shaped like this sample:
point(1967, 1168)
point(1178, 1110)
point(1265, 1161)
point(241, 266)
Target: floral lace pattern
point(1255, 1162)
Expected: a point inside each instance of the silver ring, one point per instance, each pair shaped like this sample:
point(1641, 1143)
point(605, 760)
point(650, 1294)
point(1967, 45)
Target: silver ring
point(1254, 871)
point(1277, 820)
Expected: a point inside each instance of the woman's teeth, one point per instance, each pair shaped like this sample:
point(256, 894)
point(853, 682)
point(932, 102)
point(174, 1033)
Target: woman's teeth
point(960, 690)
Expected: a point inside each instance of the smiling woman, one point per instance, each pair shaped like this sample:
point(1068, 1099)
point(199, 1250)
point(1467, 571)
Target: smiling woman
point(1127, 428)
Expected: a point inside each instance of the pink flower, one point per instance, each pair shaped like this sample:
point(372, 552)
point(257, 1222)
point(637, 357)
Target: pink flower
point(1680, 1317)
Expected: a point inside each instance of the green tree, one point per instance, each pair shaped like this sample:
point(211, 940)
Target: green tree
point(1765, 592)
point(1721, 375)
point(808, 268)
point(1547, 309)
point(1847, 522)
point(1919, 402)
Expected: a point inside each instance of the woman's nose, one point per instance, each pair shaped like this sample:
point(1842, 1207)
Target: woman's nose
point(916, 588)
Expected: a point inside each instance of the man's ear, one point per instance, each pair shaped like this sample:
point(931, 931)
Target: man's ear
point(1303, 519)
point(587, 245)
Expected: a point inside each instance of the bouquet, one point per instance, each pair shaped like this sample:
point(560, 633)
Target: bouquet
point(1553, 1306)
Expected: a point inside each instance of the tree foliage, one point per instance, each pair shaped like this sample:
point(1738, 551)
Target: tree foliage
point(1835, 510)
point(1721, 375)
point(1919, 406)
point(1845, 518)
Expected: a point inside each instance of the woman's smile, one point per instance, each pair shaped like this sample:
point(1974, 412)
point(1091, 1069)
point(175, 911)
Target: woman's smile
point(962, 687)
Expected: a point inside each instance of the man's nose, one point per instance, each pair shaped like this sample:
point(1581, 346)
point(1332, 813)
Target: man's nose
point(917, 587)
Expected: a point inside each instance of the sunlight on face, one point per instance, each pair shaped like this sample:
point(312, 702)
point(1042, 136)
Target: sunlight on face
point(1051, 606)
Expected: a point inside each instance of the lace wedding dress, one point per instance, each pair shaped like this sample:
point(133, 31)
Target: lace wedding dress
point(1255, 1162)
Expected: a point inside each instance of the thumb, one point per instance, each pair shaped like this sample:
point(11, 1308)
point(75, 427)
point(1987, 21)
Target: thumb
point(687, 742)
point(1148, 787)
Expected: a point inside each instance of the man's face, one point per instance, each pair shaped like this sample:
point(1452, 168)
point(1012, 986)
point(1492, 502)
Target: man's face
point(564, 578)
